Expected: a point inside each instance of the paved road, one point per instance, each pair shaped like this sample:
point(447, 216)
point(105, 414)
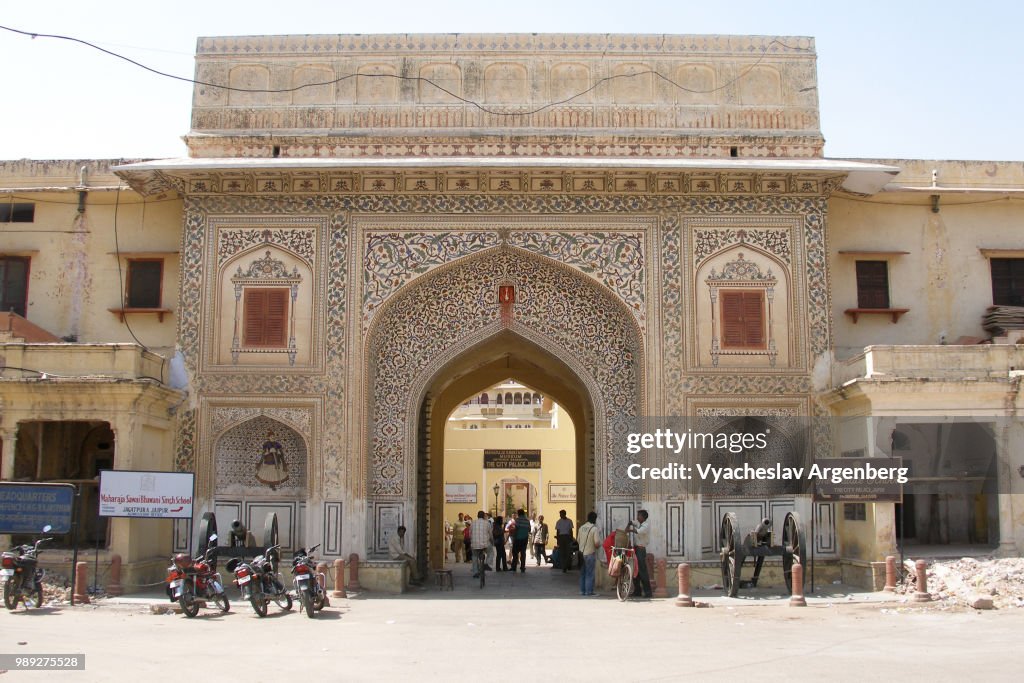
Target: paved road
point(532, 627)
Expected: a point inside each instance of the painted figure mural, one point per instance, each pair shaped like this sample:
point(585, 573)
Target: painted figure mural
point(272, 469)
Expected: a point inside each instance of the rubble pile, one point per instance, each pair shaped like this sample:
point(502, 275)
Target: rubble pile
point(984, 583)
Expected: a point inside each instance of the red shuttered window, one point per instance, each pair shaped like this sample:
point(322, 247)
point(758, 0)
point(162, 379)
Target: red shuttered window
point(743, 320)
point(266, 317)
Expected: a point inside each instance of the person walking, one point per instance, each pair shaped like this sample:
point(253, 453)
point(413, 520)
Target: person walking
point(498, 531)
point(540, 541)
point(479, 532)
point(520, 539)
point(563, 536)
point(589, 543)
point(643, 537)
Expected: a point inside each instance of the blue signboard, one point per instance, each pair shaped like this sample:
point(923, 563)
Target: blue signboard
point(27, 508)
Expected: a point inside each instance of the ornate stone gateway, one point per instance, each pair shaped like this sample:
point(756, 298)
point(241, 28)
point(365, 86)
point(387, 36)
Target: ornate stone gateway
point(431, 323)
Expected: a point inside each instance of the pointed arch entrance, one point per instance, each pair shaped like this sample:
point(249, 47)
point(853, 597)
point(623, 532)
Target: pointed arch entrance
point(447, 335)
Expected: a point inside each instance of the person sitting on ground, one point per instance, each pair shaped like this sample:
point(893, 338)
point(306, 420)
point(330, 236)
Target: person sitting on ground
point(396, 549)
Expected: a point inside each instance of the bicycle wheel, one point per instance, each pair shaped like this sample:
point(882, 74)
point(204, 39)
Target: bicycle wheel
point(624, 585)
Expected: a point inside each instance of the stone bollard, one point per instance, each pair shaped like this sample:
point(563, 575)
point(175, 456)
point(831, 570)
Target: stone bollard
point(114, 587)
point(660, 567)
point(683, 574)
point(81, 594)
point(339, 579)
point(321, 568)
point(890, 574)
point(922, 594)
point(797, 598)
point(353, 572)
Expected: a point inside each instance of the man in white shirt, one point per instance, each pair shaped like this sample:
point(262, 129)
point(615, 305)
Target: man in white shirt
point(481, 538)
point(396, 549)
point(643, 537)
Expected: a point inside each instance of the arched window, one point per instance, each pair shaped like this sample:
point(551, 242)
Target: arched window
point(518, 399)
point(508, 398)
point(483, 399)
point(499, 399)
point(537, 399)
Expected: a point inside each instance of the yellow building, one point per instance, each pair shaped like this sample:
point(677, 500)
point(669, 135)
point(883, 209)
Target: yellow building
point(507, 448)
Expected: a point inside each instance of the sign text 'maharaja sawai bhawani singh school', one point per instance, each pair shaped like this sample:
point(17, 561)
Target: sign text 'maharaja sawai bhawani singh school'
point(511, 459)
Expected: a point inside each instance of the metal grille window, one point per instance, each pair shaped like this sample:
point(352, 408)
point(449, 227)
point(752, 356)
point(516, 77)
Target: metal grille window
point(145, 283)
point(14, 284)
point(17, 212)
point(1008, 281)
point(872, 284)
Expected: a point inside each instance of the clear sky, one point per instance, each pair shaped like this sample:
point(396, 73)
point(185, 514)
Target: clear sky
point(897, 79)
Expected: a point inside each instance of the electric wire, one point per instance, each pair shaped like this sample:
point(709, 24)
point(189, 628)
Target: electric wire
point(418, 79)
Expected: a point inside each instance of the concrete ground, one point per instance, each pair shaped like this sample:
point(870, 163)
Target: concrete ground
point(533, 626)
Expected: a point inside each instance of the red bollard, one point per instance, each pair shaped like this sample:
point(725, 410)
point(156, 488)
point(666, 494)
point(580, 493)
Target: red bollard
point(661, 590)
point(922, 594)
point(353, 572)
point(683, 574)
point(114, 587)
point(81, 594)
point(339, 579)
point(890, 574)
point(321, 570)
point(797, 598)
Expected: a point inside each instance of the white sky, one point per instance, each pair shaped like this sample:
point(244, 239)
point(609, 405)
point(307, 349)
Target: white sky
point(897, 79)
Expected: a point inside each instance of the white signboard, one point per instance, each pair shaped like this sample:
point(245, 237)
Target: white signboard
point(166, 495)
point(460, 493)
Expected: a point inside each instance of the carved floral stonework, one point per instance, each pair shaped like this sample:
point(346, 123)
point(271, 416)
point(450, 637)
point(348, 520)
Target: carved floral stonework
point(301, 242)
point(444, 311)
point(708, 242)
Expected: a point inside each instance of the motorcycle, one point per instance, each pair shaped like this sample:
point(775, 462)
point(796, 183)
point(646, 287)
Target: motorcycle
point(190, 580)
point(309, 584)
point(258, 581)
point(22, 577)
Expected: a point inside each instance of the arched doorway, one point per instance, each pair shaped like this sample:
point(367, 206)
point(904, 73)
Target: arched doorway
point(458, 330)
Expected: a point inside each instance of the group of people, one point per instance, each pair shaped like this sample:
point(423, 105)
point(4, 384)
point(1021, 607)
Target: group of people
point(491, 534)
point(512, 537)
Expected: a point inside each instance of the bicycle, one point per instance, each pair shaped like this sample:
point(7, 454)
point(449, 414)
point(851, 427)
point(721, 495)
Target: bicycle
point(623, 568)
point(481, 563)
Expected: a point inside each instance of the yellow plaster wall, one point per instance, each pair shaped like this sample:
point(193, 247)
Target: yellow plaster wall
point(945, 280)
point(74, 277)
point(463, 464)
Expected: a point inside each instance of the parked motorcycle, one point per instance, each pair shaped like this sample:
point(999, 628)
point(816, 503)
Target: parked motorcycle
point(22, 577)
point(259, 582)
point(310, 585)
point(190, 580)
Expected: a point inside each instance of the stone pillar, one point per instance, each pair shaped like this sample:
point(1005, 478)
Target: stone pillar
point(339, 579)
point(890, 574)
point(9, 439)
point(921, 593)
point(81, 592)
point(114, 587)
point(797, 598)
point(353, 572)
point(683, 575)
point(10, 443)
point(661, 590)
